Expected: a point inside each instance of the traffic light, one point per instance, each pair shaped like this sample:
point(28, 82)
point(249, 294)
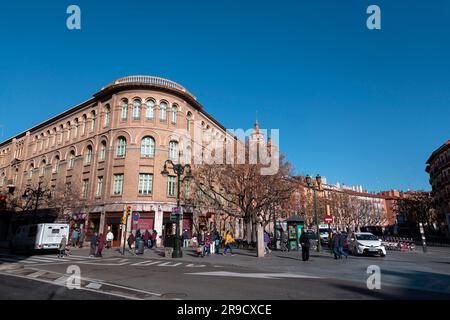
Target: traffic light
point(128, 210)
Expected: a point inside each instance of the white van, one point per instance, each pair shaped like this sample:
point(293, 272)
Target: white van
point(41, 236)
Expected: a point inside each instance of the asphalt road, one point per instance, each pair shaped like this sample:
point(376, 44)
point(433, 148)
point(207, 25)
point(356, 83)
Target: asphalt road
point(277, 276)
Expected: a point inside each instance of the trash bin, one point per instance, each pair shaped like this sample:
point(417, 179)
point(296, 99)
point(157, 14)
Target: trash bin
point(140, 247)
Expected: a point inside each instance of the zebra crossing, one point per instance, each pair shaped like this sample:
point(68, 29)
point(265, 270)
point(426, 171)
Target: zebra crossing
point(113, 261)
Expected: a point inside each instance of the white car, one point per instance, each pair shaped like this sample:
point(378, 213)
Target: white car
point(365, 243)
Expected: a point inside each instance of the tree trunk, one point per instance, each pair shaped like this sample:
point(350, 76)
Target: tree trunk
point(248, 231)
point(260, 240)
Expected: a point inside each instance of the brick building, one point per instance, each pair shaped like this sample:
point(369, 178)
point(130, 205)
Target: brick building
point(438, 167)
point(114, 146)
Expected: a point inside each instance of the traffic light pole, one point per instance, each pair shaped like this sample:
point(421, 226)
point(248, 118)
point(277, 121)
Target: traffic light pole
point(125, 234)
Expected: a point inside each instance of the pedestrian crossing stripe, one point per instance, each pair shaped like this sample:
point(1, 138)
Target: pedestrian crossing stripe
point(167, 264)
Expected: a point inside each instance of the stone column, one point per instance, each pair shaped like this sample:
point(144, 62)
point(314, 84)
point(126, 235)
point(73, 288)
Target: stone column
point(260, 240)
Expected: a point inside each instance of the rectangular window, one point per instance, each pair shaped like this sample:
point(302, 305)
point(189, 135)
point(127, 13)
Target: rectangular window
point(85, 188)
point(145, 183)
point(186, 189)
point(99, 186)
point(171, 185)
point(118, 184)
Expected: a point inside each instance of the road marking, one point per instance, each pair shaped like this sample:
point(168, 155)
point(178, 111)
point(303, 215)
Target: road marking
point(168, 264)
point(94, 285)
point(275, 276)
point(61, 280)
point(37, 274)
point(196, 265)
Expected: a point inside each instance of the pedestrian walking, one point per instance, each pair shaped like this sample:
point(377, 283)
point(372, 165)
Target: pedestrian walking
point(130, 241)
point(304, 242)
point(94, 241)
point(212, 246)
point(75, 235)
point(341, 246)
point(62, 247)
point(266, 243)
point(81, 238)
point(153, 237)
point(335, 245)
point(147, 238)
point(185, 238)
point(100, 245)
point(207, 246)
point(217, 242)
point(229, 240)
point(109, 239)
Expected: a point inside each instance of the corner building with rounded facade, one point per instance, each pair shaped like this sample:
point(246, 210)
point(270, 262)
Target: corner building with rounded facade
point(113, 146)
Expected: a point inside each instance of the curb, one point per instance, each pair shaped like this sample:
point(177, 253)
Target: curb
point(10, 266)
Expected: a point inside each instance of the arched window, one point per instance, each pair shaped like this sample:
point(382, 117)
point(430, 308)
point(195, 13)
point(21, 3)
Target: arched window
point(88, 155)
point(54, 137)
point(136, 109)
point(47, 141)
point(107, 115)
point(75, 128)
point(68, 131)
point(150, 108)
point(173, 150)
point(121, 147)
point(42, 169)
point(162, 111)
point(83, 125)
point(188, 121)
point(56, 165)
point(71, 159)
point(103, 151)
point(30, 173)
point(188, 155)
point(124, 112)
point(148, 147)
point(41, 139)
point(92, 121)
point(174, 113)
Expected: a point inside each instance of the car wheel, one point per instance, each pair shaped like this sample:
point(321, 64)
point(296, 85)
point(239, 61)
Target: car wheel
point(382, 255)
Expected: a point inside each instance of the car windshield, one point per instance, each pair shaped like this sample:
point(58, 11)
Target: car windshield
point(366, 237)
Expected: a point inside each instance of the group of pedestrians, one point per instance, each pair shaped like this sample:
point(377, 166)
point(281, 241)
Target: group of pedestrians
point(77, 238)
point(97, 245)
point(148, 240)
point(337, 245)
point(210, 242)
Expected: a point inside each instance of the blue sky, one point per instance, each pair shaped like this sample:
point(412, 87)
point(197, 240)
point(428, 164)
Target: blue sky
point(358, 106)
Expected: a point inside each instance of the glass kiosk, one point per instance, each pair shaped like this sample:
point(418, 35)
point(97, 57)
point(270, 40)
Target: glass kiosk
point(295, 225)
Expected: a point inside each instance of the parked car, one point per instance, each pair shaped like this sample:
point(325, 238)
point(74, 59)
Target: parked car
point(365, 243)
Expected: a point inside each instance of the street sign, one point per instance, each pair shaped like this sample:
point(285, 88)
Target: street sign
point(176, 210)
point(136, 216)
point(173, 217)
point(328, 219)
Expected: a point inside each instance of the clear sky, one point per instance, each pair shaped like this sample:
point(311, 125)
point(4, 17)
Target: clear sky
point(355, 105)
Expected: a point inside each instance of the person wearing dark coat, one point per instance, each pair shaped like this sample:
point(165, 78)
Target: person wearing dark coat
point(130, 241)
point(101, 244)
point(94, 240)
point(335, 245)
point(341, 246)
point(304, 242)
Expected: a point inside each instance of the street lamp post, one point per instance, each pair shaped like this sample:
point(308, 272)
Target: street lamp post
point(315, 188)
point(179, 170)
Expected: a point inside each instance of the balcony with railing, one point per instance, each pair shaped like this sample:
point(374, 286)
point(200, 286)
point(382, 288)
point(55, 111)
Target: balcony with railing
point(156, 81)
